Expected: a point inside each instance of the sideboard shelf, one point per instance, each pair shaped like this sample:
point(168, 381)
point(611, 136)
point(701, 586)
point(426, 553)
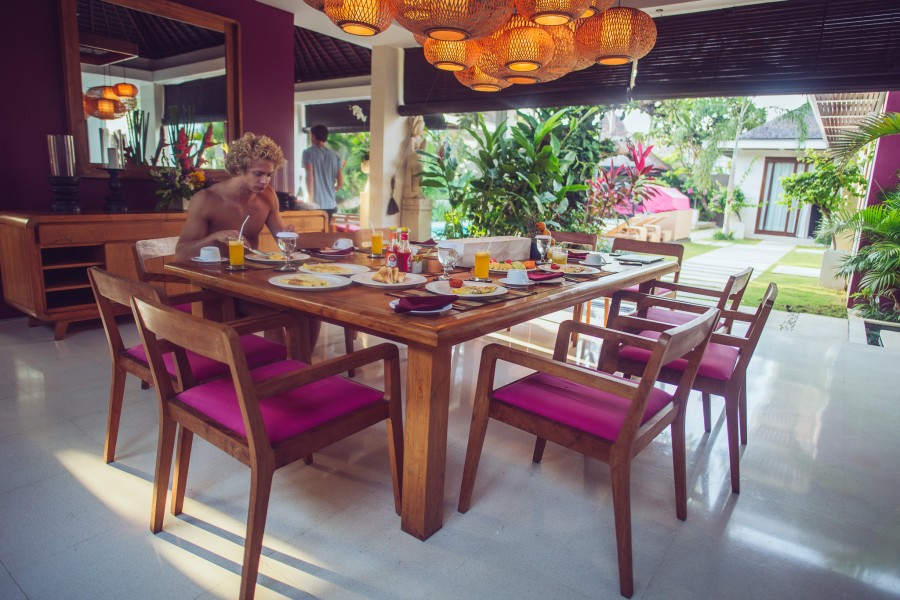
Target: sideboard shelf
point(44, 257)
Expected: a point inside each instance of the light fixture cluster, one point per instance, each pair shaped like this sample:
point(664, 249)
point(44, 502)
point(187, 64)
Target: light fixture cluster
point(492, 44)
point(110, 101)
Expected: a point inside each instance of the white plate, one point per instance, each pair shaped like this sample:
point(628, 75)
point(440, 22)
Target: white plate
point(584, 271)
point(346, 269)
point(412, 280)
point(443, 287)
point(295, 257)
point(334, 282)
point(393, 304)
point(506, 270)
point(587, 264)
point(197, 259)
point(506, 281)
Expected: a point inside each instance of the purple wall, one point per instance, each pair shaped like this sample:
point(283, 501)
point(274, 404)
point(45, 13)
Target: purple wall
point(33, 106)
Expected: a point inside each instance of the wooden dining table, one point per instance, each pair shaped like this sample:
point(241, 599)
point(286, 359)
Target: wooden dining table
point(429, 339)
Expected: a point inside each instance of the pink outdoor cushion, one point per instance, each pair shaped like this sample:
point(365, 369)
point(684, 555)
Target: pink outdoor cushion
point(186, 308)
point(718, 360)
point(287, 414)
point(590, 410)
point(257, 349)
point(674, 317)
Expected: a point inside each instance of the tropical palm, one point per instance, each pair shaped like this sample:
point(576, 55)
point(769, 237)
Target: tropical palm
point(879, 259)
point(848, 144)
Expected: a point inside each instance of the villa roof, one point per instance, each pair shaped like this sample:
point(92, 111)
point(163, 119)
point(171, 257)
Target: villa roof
point(785, 128)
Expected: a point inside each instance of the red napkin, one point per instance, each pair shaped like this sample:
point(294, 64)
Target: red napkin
point(408, 303)
point(428, 242)
point(543, 275)
point(577, 255)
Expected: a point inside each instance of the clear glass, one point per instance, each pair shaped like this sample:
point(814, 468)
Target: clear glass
point(287, 241)
point(236, 254)
point(559, 256)
point(448, 256)
point(542, 243)
point(481, 270)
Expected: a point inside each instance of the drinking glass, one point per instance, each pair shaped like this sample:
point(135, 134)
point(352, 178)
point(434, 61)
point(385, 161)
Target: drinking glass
point(287, 241)
point(482, 267)
point(448, 257)
point(377, 244)
point(236, 254)
point(542, 242)
point(559, 256)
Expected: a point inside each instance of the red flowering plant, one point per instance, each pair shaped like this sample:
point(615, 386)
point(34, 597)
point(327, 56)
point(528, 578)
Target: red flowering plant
point(618, 191)
point(185, 177)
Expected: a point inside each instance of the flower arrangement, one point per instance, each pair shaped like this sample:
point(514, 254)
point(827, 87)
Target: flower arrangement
point(186, 177)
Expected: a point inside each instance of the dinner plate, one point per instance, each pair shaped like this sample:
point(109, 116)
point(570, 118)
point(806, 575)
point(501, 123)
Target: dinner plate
point(565, 269)
point(505, 281)
point(412, 280)
point(393, 304)
point(197, 259)
point(493, 270)
point(269, 260)
point(334, 282)
point(443, 287)
point(340, 269)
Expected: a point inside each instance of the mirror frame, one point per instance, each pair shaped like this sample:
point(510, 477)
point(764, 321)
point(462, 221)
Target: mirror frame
point(75, 119)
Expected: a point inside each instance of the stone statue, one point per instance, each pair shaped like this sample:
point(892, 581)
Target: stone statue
point(411, 179)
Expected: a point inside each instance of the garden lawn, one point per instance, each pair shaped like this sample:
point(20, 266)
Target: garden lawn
point(692, 249)
point(797, 293)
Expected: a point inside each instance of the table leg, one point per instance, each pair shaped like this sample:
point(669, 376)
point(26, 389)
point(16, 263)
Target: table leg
point(425, 452)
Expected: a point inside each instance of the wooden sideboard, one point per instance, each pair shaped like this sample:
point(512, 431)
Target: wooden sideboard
point(44, 257)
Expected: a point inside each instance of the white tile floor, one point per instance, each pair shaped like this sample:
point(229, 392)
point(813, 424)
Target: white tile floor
point(819, 515)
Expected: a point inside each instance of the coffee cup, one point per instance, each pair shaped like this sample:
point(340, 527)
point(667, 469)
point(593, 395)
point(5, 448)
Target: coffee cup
point(517, 277)
point(342, 244)
point(210, 254)
point(593, 259)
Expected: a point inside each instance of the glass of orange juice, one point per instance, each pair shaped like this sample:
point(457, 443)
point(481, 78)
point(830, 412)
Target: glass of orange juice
point(482, 265)
point(236, 254)
point(559, 255)
point(377, 244)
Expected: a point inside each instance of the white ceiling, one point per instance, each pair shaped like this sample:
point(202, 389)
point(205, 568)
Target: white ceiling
point(396, 36)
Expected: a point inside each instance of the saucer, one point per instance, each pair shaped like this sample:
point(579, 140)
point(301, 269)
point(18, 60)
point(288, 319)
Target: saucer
point(505, 281)
point(197, 259)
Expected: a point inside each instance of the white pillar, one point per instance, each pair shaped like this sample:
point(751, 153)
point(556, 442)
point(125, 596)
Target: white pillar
point(387, 134)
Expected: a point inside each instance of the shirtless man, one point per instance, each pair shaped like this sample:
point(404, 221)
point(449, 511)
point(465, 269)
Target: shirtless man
point(216, 213)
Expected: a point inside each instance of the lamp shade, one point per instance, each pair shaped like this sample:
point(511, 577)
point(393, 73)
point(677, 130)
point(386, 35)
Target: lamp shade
point(316, 4)
point(616, 37)
point(451, 20)
point(564, 55)
point(452, 56)
point(552, 12)
point(596, 7)
point(103, 108)
point(522, 45)
point(126, 89)
point(360, 17)
point(476, 79)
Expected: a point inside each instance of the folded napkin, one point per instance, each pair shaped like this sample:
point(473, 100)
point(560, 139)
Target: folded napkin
point(408, 303)
point(543, 275)
point(577, 255)
point(428, 242)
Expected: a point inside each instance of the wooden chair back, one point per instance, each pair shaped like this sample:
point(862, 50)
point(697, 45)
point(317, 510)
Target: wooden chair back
point(577, 238)
point(660, 248)
point(150, 256)
point(323, 239)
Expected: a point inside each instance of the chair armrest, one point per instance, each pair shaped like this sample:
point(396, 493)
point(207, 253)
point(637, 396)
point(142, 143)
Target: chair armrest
point(727, 339)
point(590, 378)
point(253, 324)
point(164, 278)
point(191, 297)
point(682, 287)
point(566, 328)
point(335, 366)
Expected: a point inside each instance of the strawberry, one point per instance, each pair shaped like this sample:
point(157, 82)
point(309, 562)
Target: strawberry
point(554, 267)
point(456, 283)
point(509, 261)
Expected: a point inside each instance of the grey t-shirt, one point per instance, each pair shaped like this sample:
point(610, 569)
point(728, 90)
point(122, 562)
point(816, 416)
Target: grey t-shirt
point(325, 163)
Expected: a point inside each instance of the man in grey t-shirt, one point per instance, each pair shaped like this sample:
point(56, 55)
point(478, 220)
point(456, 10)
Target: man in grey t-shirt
point(323, 171)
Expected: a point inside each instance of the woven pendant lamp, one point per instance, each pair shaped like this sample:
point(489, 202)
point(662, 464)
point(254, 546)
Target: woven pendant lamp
point(103, 108)
point(616, 36)
point(476, 79)
point(319, 5)
point(564, 55)
point(522, 46)
point(451, 20)
point(452, 56)
point(552, 12)
point(127, 93)
point(596, 7)
point(360, 17)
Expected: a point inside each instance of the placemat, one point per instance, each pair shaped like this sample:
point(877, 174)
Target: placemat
point(464, 304)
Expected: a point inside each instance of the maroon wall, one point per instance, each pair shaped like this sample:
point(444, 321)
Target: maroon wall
point(33, 102)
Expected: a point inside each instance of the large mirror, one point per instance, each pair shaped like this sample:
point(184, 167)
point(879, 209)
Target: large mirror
point(181, 64)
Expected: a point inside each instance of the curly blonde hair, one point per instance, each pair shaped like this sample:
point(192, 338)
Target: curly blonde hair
point(242, 153)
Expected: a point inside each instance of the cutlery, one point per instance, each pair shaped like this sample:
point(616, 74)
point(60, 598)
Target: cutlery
point(259, 252)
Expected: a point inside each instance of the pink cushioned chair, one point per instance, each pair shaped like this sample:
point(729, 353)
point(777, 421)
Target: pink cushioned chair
point(671, 249)
point(728, 297)
point(265, 417)
point(113, 294)
point(722, 370)
point(593, 412)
